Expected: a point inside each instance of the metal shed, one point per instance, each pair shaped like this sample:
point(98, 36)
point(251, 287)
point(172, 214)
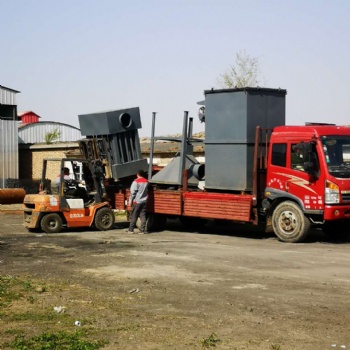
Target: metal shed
point(35, 132)
point(8, 135)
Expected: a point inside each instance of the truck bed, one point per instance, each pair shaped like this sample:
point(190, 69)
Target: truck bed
point(210, 205)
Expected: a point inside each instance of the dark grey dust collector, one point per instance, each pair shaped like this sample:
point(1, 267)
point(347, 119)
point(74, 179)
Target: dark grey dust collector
point(231, 117)
point(112, 137)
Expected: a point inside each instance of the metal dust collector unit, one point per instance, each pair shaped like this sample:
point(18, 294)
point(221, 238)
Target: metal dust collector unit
point(231, 118)
point(112, 137)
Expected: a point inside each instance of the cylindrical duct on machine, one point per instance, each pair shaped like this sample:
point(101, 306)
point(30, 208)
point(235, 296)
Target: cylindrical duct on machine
point(198, 171)
point(12, 195)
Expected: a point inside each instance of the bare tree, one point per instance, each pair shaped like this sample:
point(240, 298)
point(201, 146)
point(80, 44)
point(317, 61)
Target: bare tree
point(243, 73)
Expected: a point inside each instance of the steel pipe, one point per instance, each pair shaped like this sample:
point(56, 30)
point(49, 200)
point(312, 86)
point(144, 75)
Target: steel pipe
point(12, 195)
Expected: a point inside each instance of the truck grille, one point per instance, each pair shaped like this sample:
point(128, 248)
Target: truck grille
point(346, 196)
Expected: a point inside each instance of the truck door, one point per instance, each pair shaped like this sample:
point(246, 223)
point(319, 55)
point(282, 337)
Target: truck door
point(303, 179)
point(294, 173)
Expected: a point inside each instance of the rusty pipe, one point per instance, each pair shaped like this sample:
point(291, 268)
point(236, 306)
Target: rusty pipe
point(12, 195)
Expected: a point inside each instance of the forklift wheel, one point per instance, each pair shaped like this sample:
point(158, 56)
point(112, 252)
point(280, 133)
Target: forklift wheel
point(104, 219)
point(51, 223)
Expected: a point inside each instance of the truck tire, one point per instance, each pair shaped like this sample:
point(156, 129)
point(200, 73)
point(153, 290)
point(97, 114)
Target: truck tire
point(289, 222)
point(51, 223)
point(104, 219)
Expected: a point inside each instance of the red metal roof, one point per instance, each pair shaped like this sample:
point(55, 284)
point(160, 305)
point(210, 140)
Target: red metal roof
point(28, 117)
point(21, 114)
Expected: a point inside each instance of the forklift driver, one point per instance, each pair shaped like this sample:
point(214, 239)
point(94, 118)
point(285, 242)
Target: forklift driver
point(71, 187)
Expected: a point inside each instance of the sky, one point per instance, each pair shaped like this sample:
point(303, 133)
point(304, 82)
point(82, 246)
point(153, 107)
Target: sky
point(71, 57)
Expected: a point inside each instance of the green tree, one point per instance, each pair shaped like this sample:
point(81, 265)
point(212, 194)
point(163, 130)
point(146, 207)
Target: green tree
point(52, 136)
point(243, 73)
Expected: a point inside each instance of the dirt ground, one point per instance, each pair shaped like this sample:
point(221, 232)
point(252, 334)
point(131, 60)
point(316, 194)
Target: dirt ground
point(174, 289)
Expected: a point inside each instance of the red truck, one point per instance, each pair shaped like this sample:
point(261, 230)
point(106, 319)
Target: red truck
point(316, 192)
point(257, 170)
point(289, 198)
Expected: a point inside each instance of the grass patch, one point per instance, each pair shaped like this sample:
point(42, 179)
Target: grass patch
point(211, 341)
point(60, 341)
point(13, 288)
point(31, 322)
point(35, 316)
point(276, 347)
point(14, 331)
point(128, 327)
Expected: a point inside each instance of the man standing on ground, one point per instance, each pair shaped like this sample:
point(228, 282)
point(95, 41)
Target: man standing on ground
point(138, 202)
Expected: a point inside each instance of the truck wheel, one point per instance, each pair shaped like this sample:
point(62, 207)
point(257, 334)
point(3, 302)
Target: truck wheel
point(155, 222)
point(104, 219)
point(289, 222)
point(51, 223)
point(337, 230)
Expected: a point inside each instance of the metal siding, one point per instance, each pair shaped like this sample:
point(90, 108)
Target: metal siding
point(7, 97)
point(35, 133)
point(30, 118)
point(8, 151)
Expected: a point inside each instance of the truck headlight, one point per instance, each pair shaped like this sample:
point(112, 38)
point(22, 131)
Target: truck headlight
point(331, 193)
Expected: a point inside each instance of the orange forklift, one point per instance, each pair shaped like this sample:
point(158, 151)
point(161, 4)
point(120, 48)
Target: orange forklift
point(66, 203)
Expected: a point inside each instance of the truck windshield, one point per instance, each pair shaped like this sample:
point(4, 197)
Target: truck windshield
point(337, 153)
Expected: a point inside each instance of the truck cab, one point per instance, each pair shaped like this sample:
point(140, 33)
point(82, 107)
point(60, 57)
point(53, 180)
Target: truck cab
point(308, 181)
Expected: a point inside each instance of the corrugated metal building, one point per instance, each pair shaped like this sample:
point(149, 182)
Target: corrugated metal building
point(35, 144)
point(36, 132)
point(8, 135)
